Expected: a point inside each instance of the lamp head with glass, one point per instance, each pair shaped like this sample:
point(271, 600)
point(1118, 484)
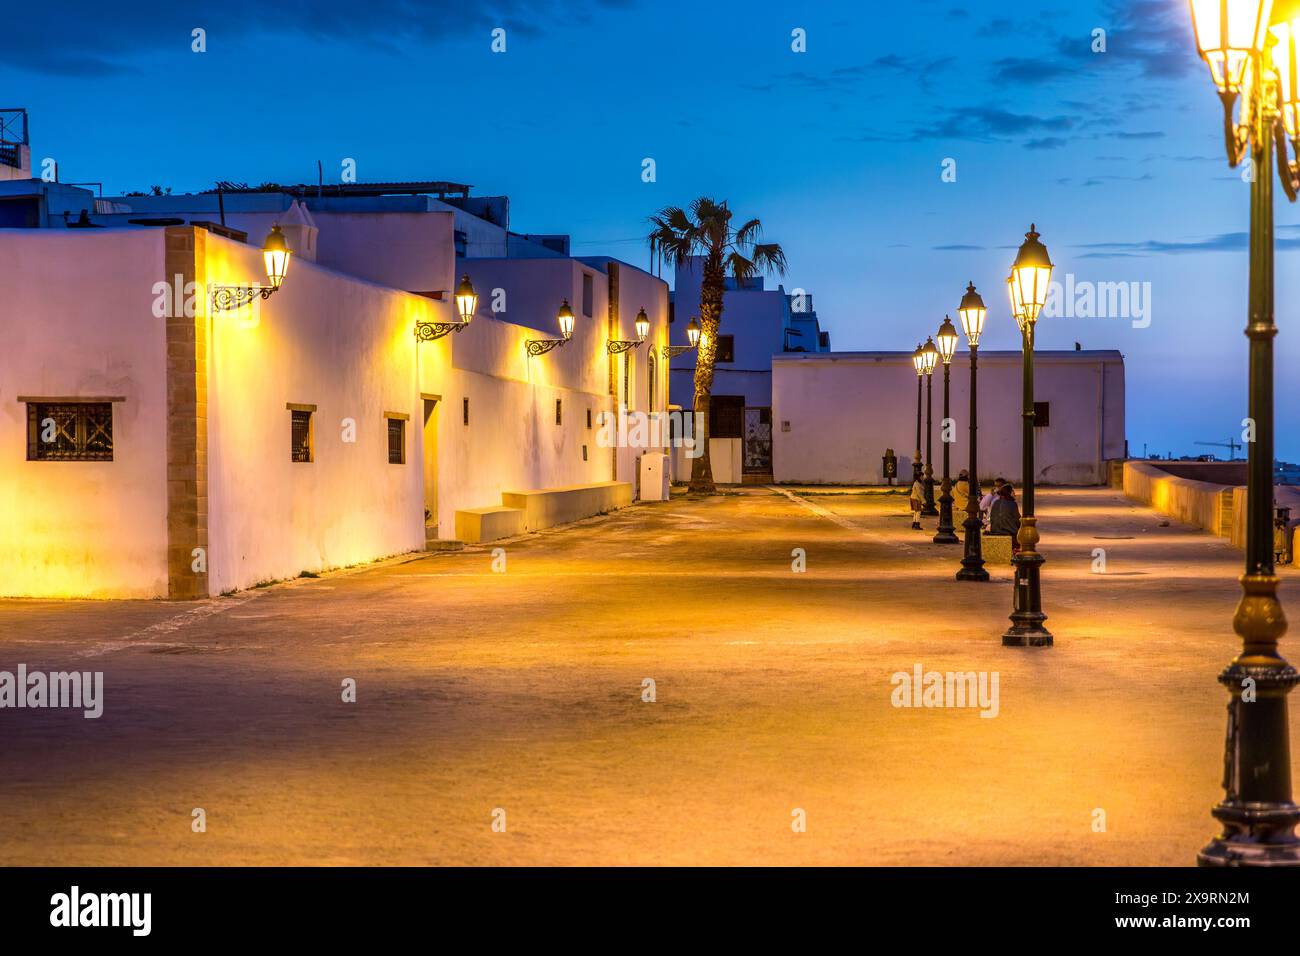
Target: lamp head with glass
point(947, 339)
point(972, 314)
point(1031, 277)
point(929, 356)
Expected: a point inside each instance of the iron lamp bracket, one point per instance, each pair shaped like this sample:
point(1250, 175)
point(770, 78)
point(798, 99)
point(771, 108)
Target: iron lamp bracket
point(542, 346)
point(428, 331)
point(227, 297)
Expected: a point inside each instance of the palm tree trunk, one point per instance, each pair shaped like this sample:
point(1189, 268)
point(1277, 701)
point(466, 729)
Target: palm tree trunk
point(711, 291)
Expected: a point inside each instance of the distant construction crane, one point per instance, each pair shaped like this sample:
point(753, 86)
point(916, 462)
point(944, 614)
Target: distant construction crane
point(1231, 444)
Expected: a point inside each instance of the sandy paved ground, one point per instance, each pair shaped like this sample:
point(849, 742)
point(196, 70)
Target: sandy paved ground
point(522, 691)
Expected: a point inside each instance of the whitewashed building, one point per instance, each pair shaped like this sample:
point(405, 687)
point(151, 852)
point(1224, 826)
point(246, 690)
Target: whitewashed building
point(152, 445)
point(836, 414)
point(757, 323)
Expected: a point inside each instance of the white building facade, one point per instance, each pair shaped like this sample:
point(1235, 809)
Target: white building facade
point(155, 446)
point(757, 323)
point(835, 415)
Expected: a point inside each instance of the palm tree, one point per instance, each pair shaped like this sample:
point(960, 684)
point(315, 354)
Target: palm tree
point(706, 231)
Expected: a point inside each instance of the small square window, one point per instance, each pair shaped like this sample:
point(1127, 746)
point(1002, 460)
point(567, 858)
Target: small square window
point(300, 440)
point(69, 431)
point(559, 411)
point(1042, 414)
point(396, 441)
point(726, 348)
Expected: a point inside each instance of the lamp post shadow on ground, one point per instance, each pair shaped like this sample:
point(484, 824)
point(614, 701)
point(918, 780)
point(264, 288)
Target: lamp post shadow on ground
point(1246, 56)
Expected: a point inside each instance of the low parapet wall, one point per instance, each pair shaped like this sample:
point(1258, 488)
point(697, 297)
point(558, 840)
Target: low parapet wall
point(1206, 504)
point(1286, 496)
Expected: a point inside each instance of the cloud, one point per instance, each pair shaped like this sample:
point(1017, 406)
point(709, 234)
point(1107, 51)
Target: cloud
point(108, 38)
point(1025, 70)
point(1224, 242)
point(921, 71)
point(991, 123)
point(1153, 35)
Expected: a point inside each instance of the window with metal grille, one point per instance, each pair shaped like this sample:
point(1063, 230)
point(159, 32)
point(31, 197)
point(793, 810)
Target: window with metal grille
point(396, 441)
point(588, 293)
point(1042, 414)
point(464, 410)
point(300, 448)
point(727, 416)
point(69, 431)
point(726, 349)
point(559, 411)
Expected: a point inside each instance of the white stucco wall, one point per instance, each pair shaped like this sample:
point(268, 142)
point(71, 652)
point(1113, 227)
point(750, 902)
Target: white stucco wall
point(844, 409)
point(85, 328)
point(343, 345)
point(78, 322)
point(512, 441)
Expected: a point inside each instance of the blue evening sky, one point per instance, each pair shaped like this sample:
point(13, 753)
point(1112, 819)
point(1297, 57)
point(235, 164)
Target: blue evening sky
point(1117, 156)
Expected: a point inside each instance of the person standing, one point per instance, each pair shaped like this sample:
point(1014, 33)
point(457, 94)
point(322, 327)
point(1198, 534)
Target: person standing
point(917, 502)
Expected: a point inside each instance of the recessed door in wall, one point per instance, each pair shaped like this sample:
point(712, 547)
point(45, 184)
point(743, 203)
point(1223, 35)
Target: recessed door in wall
point(430, 466)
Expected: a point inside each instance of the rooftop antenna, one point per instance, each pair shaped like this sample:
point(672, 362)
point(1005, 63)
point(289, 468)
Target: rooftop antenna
point(221, 205)
point(320, 178)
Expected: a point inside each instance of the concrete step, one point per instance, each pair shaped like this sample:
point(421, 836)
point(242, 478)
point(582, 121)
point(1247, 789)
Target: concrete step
point(443, 544)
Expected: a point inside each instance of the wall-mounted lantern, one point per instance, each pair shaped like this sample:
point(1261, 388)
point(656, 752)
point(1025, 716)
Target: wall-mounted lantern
point(466, 302)
point(614, 346)
point(692, 336)
point(275, 256)
point(565, 319)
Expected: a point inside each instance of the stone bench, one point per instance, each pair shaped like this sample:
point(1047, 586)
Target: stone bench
point(476, 525)
point(996, 548)
point(547, 507)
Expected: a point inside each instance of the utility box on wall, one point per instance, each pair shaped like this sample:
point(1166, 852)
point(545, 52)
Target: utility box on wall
point(654, 477)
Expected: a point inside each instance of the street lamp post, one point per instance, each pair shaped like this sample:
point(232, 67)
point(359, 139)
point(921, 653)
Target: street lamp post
point(930, 358)
point(1030, 277)
point(1249, 61)
point(947, 338)
point(918, 362)
point(972, 313)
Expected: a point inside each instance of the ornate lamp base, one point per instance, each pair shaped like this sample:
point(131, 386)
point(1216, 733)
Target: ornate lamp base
point(945, 534)
point(972, 560)
point(1027, 619)
point(1258, 815)
point(928, 509)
